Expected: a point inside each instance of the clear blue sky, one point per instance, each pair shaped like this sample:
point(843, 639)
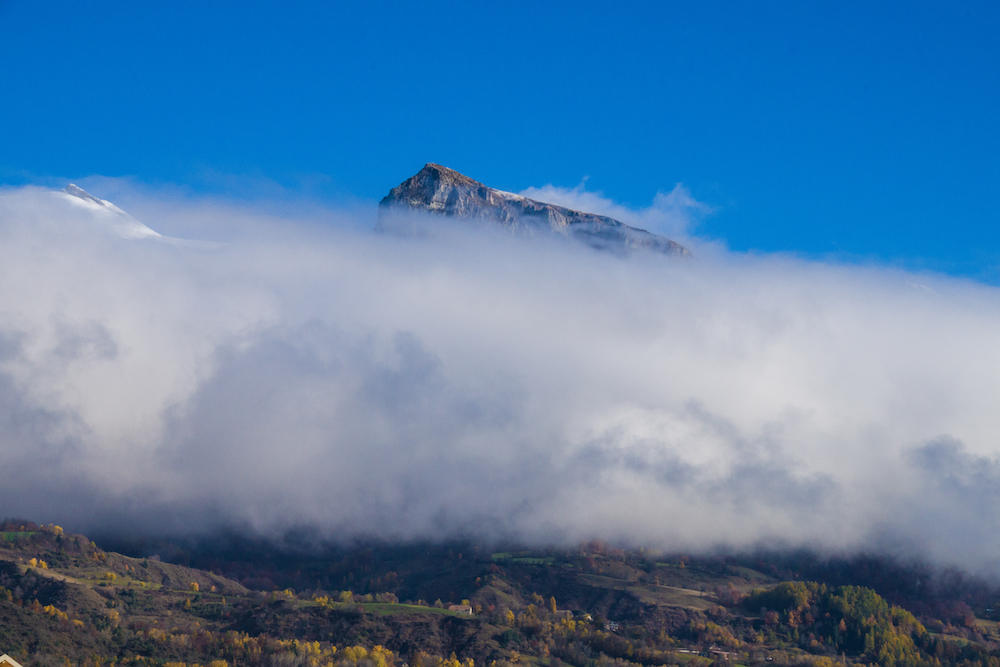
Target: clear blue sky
point(864, 129)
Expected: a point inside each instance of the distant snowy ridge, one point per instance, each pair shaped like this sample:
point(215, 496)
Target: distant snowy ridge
point(120, 222)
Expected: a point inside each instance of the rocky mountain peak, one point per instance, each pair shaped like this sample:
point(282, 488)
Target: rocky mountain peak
point(440, 190)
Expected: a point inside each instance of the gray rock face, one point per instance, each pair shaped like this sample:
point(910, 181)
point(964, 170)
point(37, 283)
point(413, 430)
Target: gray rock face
point(437, 189)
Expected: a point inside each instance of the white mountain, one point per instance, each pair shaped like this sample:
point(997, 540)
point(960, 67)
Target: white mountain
point(119, 222)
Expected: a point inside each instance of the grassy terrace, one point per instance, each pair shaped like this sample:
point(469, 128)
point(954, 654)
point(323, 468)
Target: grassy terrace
point(522, 557)
point(387, 608)
point(93, 578)
point(10, 536)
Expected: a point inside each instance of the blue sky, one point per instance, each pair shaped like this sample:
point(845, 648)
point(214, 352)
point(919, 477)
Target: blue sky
point(820, 397)
point(865, 130)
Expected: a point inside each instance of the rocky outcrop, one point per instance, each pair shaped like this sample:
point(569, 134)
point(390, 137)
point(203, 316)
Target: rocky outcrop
point(439, 190)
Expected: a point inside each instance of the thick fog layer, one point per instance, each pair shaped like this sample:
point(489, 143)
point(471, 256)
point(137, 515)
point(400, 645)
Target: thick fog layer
point(457, 382)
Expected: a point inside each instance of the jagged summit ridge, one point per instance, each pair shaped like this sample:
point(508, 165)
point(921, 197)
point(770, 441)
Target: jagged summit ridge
point(444, 191)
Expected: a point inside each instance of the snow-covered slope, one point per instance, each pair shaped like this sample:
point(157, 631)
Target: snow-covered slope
point(121, 224)
point(117, 220)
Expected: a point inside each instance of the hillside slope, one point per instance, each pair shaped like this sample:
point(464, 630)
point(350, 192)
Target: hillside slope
point(63, 600)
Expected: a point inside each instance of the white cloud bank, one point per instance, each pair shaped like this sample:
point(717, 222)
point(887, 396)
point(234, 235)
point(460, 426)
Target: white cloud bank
point(469, 383)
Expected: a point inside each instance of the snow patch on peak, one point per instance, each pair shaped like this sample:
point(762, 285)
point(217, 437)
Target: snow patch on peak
point(120, 222)
point(77, 191)
point(511, 195)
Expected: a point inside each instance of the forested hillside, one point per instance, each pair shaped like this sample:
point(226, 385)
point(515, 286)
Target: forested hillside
point(64, 600)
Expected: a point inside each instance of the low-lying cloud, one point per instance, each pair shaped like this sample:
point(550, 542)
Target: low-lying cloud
point(468, 383)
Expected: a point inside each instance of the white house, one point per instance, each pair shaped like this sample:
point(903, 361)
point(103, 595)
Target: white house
point(7, 661)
